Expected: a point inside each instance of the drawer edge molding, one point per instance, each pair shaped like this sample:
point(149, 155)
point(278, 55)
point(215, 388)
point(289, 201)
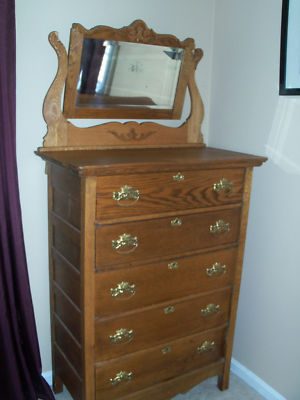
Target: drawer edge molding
point(177, 385)
point(162, 305)
point(112, 221)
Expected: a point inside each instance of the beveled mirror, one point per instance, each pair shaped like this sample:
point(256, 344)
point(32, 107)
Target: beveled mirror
point(126, 74)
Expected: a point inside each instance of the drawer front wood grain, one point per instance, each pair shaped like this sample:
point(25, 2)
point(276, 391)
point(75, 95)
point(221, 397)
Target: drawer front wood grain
point(157, 237)
point(159, 364)
point(127, 289)
point(160, 323)
point(161, 192)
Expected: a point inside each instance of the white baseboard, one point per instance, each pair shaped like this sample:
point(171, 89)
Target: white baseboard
point(238, 369)
point(48, 377)
point(254, 381)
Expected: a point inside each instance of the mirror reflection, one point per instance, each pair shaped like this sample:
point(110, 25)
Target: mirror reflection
point(116, 74)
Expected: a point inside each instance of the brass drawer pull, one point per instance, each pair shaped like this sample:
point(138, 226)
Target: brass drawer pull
point(210, 309)
point(225, 186)
point(216, 269)
point(121, 335)
point(219, 227)
point(169, 309)
point(178, 177)
point(206, 346)
point(125, 241)
point(166, 350)
point(121, 376)
point(173, 265)
point(176, 222)
point(126, 193)
point(123, 288)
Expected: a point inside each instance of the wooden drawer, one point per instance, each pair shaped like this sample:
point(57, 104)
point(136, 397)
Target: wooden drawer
point(157, 237)
point(160, 323)
point(159, 192)
point(158, 364)
point(123, 290)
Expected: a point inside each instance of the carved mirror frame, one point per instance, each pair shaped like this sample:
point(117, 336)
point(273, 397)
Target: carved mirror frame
point(136, 33)
point(64, 135)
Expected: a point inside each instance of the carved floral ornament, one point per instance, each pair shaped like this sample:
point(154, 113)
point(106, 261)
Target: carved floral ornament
point(131, 135)
point(138, 31)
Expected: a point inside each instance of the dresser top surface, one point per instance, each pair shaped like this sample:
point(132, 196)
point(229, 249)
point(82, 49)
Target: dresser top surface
point(121, 161)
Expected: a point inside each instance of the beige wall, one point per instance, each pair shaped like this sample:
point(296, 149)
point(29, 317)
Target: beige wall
point(248, 115)
point(36, 68)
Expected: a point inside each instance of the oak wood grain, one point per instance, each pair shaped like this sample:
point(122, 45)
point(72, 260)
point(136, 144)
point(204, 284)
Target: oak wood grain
point(153, 325)
point(57, 383)
point(133, 161)
point(158, 237)
point(67, 312)
point(84, 266)
point(66, 341)
point(158, 282)
point(88, 201)
point(68, 374)
point(67, 277)
point(66, 195)
point(152, 366)
point(181, 384)
point(223, 382)
point(66, 240)
point(159, 192)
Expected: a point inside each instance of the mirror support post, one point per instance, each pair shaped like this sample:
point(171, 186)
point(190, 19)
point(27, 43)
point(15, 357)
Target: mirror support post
point(194, 121)
point(53, 116)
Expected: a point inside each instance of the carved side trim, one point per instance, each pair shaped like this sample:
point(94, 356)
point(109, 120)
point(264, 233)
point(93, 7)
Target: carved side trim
point(57, 124)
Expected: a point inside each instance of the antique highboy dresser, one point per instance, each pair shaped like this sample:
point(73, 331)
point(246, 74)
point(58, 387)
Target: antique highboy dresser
point(147, 225)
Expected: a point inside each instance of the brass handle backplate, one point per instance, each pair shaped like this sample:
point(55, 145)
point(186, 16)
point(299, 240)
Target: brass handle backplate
point(225, 186)
point(206, 346)
point(216, 269)
point(178, 177)
point(126, 193)
point(176, 222)
point(219, 227)
point(122, 336)
point(123, 288)
point(125, 241)
point(121, 376)
point(210, 309)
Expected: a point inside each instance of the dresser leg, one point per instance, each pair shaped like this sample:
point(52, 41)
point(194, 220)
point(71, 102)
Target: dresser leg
point(223, 382)
point(57, 384)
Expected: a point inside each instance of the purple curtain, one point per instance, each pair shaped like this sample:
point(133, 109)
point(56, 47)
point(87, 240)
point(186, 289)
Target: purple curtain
point(20, 364)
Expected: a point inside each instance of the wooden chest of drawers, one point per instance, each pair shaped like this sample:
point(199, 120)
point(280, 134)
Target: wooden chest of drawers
point(146, 251)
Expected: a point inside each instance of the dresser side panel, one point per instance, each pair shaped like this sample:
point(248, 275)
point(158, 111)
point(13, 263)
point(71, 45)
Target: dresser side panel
point(65, 278)
point(88, 206)
point(223, 382)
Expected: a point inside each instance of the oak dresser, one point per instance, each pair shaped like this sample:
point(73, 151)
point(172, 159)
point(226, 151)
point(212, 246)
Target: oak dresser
point(146, 244)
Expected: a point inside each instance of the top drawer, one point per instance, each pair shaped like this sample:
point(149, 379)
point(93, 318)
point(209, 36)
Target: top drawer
point(132, 195)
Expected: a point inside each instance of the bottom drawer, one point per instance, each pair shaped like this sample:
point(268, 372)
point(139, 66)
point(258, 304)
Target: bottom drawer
point(129, 374)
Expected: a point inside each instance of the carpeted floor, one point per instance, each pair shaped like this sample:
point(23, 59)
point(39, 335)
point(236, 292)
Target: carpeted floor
point(207, 390)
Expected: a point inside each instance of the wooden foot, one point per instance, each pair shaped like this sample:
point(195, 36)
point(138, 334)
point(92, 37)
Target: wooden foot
point(57, 384)
point(223, 382)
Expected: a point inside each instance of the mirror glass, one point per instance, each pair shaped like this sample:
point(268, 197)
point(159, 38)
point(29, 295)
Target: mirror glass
point(116, 74)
